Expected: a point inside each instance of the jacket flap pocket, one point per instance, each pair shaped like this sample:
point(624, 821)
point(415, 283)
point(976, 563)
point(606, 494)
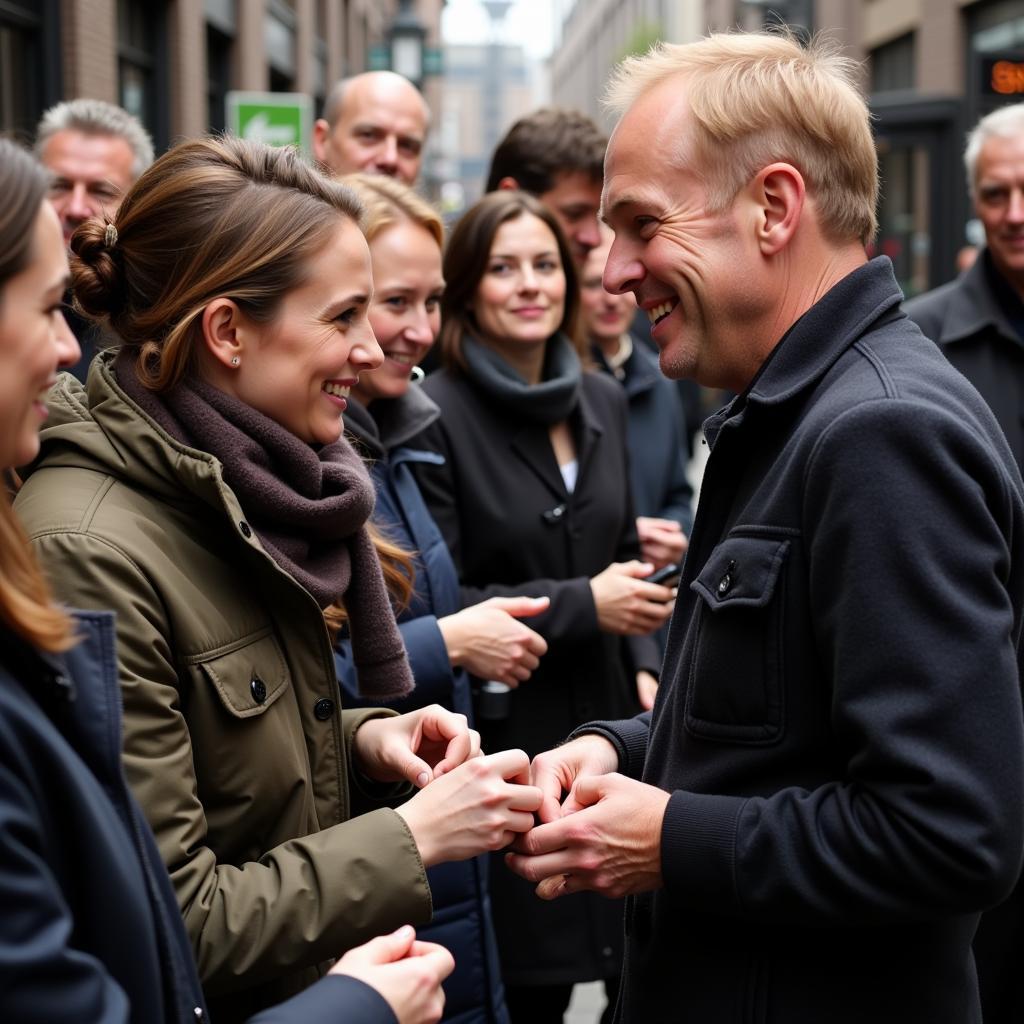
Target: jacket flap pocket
point(741, 572)
point(249, 677)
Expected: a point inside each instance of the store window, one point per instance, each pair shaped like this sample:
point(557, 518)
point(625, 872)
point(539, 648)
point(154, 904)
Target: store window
point(29, 63)
point(893, 66)
point(142, 64)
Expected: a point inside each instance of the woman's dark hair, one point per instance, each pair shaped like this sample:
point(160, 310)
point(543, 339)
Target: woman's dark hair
point(26, 606)
point(217, 216)
point(465, 262)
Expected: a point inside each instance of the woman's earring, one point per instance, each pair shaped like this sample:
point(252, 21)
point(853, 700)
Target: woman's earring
point(234, 360)
point(416, 375)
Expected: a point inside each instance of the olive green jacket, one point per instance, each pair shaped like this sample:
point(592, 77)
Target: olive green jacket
point(235, 742)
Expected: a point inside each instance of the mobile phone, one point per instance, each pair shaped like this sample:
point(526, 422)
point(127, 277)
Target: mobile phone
point(667, 576)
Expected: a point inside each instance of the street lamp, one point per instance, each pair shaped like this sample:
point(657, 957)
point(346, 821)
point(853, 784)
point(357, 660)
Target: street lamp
point(405, 39)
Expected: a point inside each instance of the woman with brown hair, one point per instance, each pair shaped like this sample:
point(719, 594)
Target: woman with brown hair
point(531, 494)
point(201, 487)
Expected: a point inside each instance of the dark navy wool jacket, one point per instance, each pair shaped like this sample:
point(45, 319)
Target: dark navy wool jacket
point(839, 720)
point(89, 926)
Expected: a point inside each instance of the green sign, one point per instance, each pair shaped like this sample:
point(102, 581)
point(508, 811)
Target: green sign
point(378, 59)
point(276, 118)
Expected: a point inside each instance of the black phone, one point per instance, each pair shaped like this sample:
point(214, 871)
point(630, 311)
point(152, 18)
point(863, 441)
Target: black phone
point(667, 575)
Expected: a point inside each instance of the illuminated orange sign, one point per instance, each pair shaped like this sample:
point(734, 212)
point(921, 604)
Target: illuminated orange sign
point(1007, 77)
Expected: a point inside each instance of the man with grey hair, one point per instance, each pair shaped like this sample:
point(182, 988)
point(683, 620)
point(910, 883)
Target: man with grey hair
point(978, 322)
point(376, 122)
point(830, 787)
point(978, 319)
point(95, 151)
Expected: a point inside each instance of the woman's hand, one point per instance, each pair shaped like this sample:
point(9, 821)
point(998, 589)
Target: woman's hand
point(415, 747)
point(626, 604)
point(662, 541)
point(477, 807)
point(407, 973)
point(487, 639)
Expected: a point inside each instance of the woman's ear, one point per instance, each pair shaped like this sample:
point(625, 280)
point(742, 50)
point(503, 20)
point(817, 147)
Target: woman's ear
point(779, 192)
point(223, 333)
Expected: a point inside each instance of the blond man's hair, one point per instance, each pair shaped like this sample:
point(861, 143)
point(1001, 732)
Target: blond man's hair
point(759, 98)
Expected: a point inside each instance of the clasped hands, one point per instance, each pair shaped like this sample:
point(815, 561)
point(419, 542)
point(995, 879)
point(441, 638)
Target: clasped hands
point(605, 836)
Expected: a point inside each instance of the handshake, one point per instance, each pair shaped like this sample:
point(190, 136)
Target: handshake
point(598, 830)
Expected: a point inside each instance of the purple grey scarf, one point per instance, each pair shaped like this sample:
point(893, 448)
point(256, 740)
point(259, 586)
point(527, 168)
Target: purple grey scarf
point(309, 509)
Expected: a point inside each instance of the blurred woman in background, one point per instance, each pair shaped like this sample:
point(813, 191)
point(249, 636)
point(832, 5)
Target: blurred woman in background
point(444, 641)
point(531, 495)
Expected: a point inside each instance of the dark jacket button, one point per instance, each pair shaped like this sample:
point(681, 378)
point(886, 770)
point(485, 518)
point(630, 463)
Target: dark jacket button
point(724, 584)
point(259, 689)
point(323, 709)
point(246, 529)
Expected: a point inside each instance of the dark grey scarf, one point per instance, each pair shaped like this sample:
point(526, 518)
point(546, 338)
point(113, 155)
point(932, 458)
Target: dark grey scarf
point(308, 507)
point(549, 402)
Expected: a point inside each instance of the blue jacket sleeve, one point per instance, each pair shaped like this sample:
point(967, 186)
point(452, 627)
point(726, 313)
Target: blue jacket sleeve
point(45, 978)
point(336, 999)
point(428, 658)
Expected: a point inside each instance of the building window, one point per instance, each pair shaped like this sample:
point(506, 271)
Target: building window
point(29, 63)
point(893, 65)
point(218, 76)
point(141, 64)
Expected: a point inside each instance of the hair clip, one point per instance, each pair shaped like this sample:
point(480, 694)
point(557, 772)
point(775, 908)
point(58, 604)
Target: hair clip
point(110, 236)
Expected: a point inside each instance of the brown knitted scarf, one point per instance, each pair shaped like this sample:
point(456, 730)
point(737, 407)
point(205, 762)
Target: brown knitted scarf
point(308, 507)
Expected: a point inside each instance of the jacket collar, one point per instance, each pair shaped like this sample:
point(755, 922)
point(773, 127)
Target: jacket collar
point(390, 422)
point(816, 341)
point(977, 307)
point(640, 374)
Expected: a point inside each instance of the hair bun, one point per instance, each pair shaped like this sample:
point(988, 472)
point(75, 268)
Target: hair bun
point(96, 278)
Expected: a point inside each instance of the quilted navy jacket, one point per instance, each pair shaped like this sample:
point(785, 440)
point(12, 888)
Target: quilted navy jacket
point(462, 918)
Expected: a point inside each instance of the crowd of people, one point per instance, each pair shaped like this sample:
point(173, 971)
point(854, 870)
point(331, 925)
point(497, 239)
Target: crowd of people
point(335, 690)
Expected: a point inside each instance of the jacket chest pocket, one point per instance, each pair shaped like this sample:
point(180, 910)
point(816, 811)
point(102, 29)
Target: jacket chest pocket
point(248, 746)
point(735, 690)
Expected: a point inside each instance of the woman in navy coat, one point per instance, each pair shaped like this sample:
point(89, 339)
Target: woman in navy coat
point(445, 641)
point(90, 928)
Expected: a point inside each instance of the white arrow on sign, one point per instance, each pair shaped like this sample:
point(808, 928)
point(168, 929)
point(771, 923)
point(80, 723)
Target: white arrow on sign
point(259, 129)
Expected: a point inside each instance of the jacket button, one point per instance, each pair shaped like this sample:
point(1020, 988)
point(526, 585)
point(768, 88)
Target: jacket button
point(726, 581)
point(246, 529)
point(323, 708)
point(198, 1013)
point(259, 689)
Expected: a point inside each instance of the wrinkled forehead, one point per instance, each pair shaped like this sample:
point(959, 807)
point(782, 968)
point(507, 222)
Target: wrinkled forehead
point(89, 157)
point(400, 115)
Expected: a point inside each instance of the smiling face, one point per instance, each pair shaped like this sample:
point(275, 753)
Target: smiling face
point(697, 274)
point(520, 299)
point(406, 309)
point(607, 317)
point(90, 175)
point(35, 340)
point(299, 368)
point(999, 202)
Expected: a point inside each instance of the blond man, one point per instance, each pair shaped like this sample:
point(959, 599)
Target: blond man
point(829, 789)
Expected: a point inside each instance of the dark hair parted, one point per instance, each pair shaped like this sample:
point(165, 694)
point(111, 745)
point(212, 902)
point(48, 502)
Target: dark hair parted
point(545, 144)
point(465, 263)
point(217, 216)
